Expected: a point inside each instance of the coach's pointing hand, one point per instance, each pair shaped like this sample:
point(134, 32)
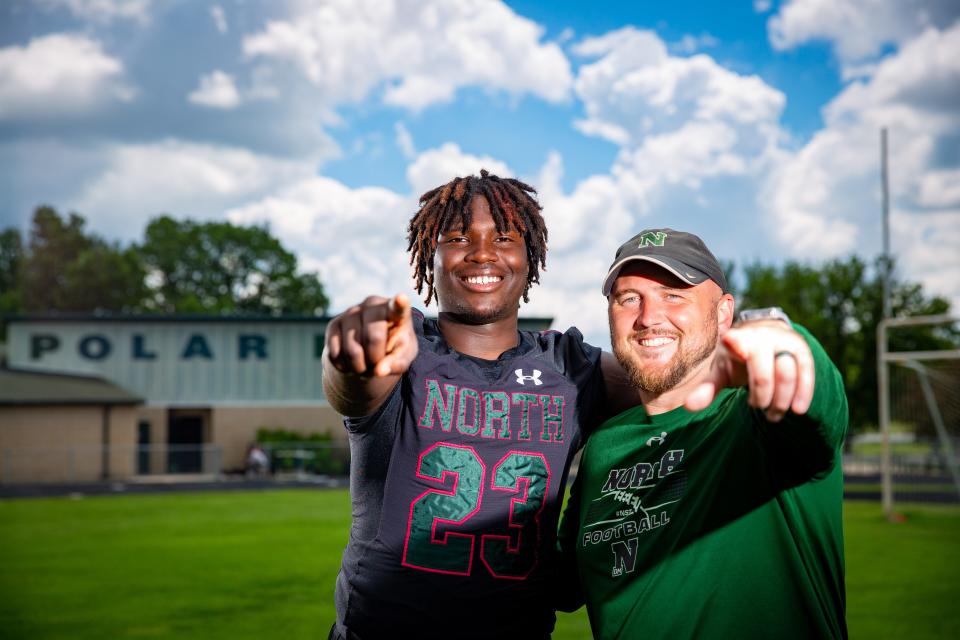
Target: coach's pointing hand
point(771, 359)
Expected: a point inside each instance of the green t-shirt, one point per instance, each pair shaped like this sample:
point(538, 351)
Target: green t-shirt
point(715, 524)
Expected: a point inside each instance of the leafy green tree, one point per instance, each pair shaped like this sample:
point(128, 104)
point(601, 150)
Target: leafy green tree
point(181, 267)
point(54, 243)
point(105, 278)
point(11, 261)
point(66, 269)
point(841, 303)
point(217, 267)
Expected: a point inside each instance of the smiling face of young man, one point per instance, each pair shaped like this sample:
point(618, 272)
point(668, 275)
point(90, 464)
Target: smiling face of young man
point(480, 274)
point(663, 330)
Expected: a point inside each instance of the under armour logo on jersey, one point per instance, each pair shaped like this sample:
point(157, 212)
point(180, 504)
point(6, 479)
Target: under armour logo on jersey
point(658, 439)
point(522, 379)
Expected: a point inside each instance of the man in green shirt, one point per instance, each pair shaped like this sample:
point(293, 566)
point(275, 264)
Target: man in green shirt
point(712, 510)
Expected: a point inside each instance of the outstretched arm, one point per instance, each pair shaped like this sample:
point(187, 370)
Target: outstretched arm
point(367, 348)
point(771, 359)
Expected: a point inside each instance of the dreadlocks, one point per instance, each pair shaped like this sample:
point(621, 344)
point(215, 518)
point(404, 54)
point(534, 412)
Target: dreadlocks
point(511, 205)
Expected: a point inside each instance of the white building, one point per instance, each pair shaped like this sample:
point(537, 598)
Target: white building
point(87, 398)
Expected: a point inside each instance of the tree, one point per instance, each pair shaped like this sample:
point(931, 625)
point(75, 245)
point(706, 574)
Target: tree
point(841, 304)
point(217, 267)
point(104, 278)
point(66, 269)
point(53, 244)
point(183, 267)
point(11, 261)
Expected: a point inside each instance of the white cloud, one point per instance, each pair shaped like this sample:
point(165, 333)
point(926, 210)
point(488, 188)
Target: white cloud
point(219, 18)
point(438, 166)
point(919, 87)
point(762, 6)
point(811, 208)
point(422, 51)
point(217, 90)
point(857, 29)
point(939, 188)
point(825, 199)
point(691, 44)
point(417, 91)
point(585, 225)
point(328, 225)
point(929, 246)
point(594, 204)
point(863, 71)
point(678, 120)
point(58, 75)
point(638, 90)
point(181, 178)
point(105, 11)
point(404, 140)
point(265, 86)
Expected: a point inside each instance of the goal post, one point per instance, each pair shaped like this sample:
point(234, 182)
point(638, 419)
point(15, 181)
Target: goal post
point(927, 382)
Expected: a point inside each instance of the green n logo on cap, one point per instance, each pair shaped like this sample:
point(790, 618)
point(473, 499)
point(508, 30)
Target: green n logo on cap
point(652, 239)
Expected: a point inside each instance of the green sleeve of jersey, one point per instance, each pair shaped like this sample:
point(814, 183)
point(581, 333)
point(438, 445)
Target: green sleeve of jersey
point(811, 444)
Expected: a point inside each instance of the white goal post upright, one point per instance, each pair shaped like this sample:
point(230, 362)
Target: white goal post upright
point(911, 359)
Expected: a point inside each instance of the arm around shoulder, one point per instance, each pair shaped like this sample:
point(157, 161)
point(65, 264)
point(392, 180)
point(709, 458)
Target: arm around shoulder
point(620, 393)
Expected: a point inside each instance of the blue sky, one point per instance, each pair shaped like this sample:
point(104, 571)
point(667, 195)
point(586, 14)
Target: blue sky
point(754, 124)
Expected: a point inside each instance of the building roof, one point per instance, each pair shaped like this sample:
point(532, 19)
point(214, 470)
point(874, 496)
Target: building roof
point(70, 316)
point(529, 323)
point(22, 387)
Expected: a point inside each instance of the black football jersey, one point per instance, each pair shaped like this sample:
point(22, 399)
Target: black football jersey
point(457, 483)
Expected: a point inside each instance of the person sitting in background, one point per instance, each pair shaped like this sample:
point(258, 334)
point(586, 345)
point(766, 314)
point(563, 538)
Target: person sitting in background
point(258, 464)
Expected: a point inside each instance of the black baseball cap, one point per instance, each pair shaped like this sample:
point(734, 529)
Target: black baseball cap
point(682, 254)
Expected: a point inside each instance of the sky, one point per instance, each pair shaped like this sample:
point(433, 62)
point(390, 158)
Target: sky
point(755, 124)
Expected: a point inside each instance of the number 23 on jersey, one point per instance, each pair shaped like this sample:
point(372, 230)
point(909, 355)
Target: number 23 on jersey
point(524, 474)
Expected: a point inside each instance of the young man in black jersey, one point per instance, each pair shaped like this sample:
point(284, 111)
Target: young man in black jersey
point(461, 429)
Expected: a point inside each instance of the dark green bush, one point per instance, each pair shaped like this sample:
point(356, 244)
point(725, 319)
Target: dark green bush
point(328, 457)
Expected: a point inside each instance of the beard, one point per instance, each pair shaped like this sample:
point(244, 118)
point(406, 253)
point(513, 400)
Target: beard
point(656, 379)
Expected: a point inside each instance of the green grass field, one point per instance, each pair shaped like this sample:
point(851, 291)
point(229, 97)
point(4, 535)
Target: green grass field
point(262, 565)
